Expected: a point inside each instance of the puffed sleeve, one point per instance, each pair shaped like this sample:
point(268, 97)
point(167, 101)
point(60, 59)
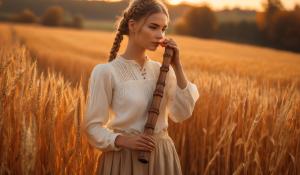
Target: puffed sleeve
point(97, 110)
point(181, 102)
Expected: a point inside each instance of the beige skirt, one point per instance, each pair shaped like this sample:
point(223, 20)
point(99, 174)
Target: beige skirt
point(163, 159)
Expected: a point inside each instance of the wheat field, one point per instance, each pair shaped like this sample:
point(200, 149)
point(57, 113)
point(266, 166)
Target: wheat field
point(247, 119)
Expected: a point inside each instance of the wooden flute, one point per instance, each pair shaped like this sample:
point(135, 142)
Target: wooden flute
point(153, 111)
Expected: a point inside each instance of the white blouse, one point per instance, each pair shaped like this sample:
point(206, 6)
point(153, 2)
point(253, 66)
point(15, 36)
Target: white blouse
point(125, 89)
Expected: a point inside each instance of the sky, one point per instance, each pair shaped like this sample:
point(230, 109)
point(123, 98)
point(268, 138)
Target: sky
point(244, 4)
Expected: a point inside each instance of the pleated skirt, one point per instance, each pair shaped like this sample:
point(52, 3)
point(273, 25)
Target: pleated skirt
point(163, 160)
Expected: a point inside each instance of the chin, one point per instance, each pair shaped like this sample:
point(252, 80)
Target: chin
point(152, 48)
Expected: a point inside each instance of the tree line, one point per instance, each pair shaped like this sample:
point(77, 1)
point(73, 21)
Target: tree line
point(53, 16)
point(275, 26)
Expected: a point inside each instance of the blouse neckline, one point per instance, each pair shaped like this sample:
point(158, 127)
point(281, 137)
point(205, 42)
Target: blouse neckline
point(134, 61)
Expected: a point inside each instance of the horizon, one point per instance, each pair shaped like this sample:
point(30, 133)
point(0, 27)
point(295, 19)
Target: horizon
point(229, 4)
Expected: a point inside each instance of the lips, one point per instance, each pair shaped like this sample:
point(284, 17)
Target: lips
point(155, 43)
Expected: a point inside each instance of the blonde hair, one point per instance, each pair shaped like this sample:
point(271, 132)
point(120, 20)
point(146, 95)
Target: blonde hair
point(136, 10)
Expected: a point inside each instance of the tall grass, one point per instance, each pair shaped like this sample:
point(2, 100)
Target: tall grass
point(64, 50)
point(240, 126)
point(242, 123)
point(40, 120)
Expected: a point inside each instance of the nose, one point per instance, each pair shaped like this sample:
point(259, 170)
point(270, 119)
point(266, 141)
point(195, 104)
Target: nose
point(160, 35)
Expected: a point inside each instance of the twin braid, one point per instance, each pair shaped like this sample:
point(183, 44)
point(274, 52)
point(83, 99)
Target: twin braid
point(136, 7)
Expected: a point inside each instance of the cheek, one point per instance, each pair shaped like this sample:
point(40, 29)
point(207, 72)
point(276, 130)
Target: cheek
point(147, 35)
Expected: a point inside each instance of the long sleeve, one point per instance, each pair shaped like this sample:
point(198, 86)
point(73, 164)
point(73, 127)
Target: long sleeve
point(97, 110)
point(181, 102)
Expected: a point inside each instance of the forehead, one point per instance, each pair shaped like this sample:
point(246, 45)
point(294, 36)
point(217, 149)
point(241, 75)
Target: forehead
point(158, 18)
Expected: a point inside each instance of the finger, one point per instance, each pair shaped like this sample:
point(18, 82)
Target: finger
point(172, 46)
point(171, 40)
point(141, 148)
point(166, 40)
point(162, 40)
point(146, 139)
point(149, 138)
point(145, 146)
point(151, 147)
point(163, 45)
point(148, 144)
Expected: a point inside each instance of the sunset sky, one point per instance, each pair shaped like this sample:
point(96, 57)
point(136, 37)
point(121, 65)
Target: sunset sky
point(243, 4)
point(249, 4)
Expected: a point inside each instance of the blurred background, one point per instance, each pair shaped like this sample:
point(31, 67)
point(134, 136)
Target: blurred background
point(272, 23)
point(242, 55)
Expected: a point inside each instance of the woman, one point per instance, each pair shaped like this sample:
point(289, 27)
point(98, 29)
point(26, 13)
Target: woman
point(125, 86)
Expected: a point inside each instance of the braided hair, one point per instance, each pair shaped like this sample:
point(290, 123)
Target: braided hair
point(136, 10)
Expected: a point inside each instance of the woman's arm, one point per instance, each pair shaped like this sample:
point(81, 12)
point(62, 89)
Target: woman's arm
point(175, 63)
point(180, 76)
point(183, 94)
point(97, 110)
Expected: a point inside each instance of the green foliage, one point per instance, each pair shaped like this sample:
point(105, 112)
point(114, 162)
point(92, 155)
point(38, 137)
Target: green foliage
point(280, 27)
point(285, 29)
point(26, 16)
point(198, 21)
point(77, 21)
point(53, 16)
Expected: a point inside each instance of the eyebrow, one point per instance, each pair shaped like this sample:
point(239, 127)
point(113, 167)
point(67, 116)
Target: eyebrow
point(158, 25)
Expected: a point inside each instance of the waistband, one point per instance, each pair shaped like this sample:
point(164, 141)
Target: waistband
point(163, 132)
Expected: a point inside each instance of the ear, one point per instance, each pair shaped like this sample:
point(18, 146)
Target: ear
point(132, 25)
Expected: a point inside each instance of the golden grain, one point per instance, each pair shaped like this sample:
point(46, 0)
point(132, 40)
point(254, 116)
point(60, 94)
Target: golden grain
point(245, 122)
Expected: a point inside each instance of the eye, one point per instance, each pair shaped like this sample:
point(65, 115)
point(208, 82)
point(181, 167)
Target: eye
point(152, 27)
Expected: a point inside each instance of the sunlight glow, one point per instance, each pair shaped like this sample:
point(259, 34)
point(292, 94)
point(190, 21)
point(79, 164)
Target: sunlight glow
point(221, 4)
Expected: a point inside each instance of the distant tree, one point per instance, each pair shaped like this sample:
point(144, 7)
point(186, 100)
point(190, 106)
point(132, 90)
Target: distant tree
point(297, 7)
point(26, 16)
point(265, 19)
point(272, 6)
point(198, 21)
point(53, 16)
point(180, 26)
point(241, 31)
point(74, 21)
point(281, 28)
point(77, 21)
point(286, 30)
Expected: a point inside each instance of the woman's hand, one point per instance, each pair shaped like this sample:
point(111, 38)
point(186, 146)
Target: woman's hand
point(175, 62)
point(141, 142)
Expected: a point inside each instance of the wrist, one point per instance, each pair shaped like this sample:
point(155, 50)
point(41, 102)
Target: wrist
point(177, 66)
point(119, 141)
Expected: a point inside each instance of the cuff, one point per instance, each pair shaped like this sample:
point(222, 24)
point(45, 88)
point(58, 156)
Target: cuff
point(114, 146)
point(190, 90)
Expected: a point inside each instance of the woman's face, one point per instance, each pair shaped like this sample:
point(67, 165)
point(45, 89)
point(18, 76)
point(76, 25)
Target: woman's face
point(149, 33)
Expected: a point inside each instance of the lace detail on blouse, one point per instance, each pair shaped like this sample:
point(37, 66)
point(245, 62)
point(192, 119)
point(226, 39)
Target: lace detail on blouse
point(124, 71)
